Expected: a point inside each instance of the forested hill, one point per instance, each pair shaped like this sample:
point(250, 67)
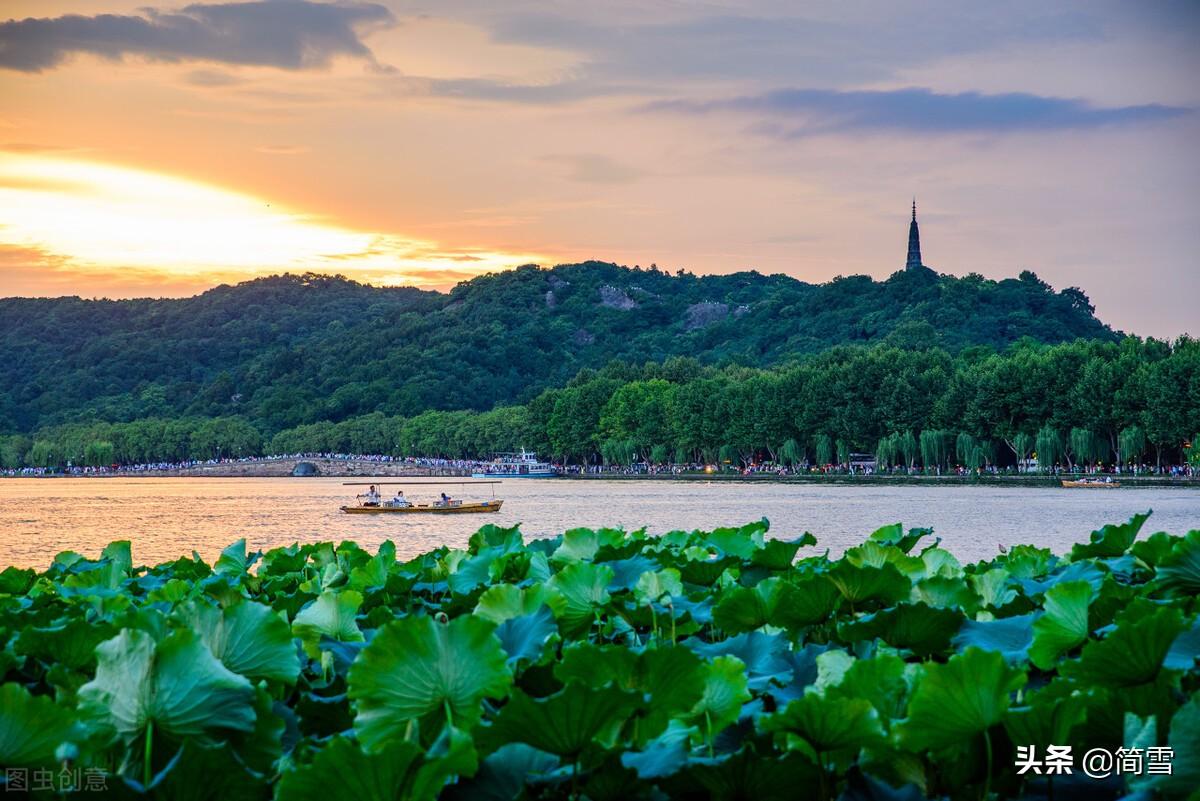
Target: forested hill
point(292, 349)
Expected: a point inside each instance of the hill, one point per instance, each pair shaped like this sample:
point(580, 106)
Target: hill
point(293, 349)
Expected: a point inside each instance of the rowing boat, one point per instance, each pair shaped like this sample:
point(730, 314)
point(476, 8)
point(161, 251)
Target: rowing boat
point(428, 508)
point(1091, 483)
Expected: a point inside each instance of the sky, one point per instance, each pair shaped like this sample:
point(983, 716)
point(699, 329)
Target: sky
point(160, 150)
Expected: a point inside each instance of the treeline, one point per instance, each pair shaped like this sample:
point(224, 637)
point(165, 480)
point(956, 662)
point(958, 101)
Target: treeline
point(288, 350)
point(1078, 403)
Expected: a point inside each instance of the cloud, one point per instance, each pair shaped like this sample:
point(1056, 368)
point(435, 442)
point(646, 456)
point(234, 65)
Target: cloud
point(289, 34)
point(593, 168)
point(803, 112)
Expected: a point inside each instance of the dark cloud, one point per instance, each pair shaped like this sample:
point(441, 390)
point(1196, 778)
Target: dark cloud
point(290, 34)
point(803, 112)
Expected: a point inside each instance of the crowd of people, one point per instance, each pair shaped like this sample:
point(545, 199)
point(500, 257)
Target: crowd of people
point(466, 466)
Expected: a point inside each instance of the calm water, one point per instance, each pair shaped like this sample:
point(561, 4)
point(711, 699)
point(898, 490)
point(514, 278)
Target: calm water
point(170, 517)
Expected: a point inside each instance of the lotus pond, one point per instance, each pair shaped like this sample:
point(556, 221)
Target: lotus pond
point(603, 664)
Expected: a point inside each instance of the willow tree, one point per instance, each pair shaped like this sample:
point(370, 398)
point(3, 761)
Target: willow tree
point(935, 448)
point(791, 454)
point(964, 448)
point(885, 452)
point(1022, 444)
point(1086, 447)
point(823, 445)
point(843, 451)
point(658, 454)
point(728, 454)
point(907, 445)
point(1049, 445)
point(1131, 443)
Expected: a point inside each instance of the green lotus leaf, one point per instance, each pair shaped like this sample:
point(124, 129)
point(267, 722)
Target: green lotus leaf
point(1027, 561)
point(875, 554)
point(1180, 569)
point(885, 584)
point(233, 559)
point(1065, 624)
point(474, 571)
point(565, 723)
point(1010, 636)
point(597, 666)
point(746, 774)
point(992, 588)
point(947, 591)
point(374, 573)
point(918, 627)
point(175, 683)
point(880, 680)
point(1047, 716)
point(779, 554)
point(525, 637)
point(828, 723)
point(581, 544)
point(248, 638)
point(1152, 550)
point(415, 668)
point(664, 755)
point(583, 586)
point(958, 700)
point(658, 586)
point(503, 775)
point(493, 536)
point(941, 563)
point(332, 614)
point(1183, 740)
point(740, 542)
point(832, 667)
point(70, 643)
point(1132, 654)
point(764, 656)
point(725, 690)
point(1111, 540)
point(16, 581)
point(672, 677)
point(501, 602)
point(452, 754)
point(343, 770)
point(1076, 571)
point(196, 773)
point(776, 602)
point(1185, 650)
point(894, 535)
point(31, 728)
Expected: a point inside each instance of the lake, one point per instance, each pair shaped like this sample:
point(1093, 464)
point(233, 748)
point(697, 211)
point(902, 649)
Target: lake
point(169, 517)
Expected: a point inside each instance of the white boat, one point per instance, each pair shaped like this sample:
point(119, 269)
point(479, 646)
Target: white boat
point(516, 465)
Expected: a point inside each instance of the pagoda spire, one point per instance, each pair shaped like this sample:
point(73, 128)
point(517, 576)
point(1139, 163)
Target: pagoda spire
point(914, 242)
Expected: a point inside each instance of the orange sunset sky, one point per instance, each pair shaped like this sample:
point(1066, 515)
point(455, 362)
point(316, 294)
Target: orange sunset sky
point(161, 150)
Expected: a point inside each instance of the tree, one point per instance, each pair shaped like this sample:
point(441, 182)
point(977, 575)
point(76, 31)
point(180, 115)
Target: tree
point(791, 454)
point(1132, 443)
point(823, 445)
point(1049, 445)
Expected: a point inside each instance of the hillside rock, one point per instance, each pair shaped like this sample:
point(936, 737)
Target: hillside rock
point(614, 298)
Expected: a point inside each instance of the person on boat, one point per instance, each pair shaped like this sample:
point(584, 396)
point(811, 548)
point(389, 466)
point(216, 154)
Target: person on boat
point(445, 501)
point(400, 500)
point(371, 498)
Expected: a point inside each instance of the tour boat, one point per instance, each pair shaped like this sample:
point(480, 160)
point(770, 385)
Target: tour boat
point(373, 504)
point(453, 508)
point(516, 465)
point(1091, 482)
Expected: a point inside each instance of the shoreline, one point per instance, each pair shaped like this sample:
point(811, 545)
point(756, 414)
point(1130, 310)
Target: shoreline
point(1034, 481)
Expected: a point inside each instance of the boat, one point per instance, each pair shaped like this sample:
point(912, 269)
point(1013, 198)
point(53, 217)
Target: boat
point(516, 465)
point(453, 508)
point(1091, 482)
point(375, 505)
